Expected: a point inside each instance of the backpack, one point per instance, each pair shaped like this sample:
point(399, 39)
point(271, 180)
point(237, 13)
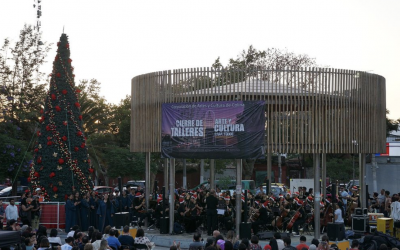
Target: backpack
point(178, 229)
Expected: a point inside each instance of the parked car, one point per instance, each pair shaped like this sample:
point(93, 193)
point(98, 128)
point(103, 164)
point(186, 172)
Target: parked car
point(136, 184)
point(8, 191)
point(2, 187)
point(103, 189)
point(353, 183)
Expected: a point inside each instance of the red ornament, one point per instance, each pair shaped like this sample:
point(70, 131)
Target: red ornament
point(58, 44)
point(36, 150)
point(48, 138)
point(47, 128)
point(41, 111)
point(73, 75)
point(80, 117)
point(66, 197)
point(38, 133)
point(67, 45)
point(58, 75)
point(88, 160)
point(64, 138)
point(41, 119)
point(61, 161)
point(58, 109)
point(76, 149)
point(52, 174)
point(77, 105)
point(56, 59)
point(79, 133)
point(39, 160)
point(78, 91)
point(91, 170)
point(53, 97)
point(65, 123)
point(83, 145)
point(70, 60)
point(55, 189)
point(29, 179)
point(49, 143)
point(36, 174)
point(64, 92)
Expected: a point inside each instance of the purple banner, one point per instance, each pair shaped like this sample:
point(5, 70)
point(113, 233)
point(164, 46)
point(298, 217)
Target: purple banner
point(213, 130)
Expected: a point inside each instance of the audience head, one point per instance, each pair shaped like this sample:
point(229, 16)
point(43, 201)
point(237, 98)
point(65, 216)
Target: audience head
point(210, 241)
point(196, 237)
point(315, 242)
point(53, 232)
point(355, 244)
point(242, 246)
point(140, 232)
point(126, 229)
point(112, 232)
point(45, 242)
point(216, 233)
point(274, 244)
point(254, 239)
point(277, 236)
point(69, 240)
point(383, 247)
point(312, 247)
point(287, 241)
point(303, 238)
point(85, 239)
point(88, 246)
point(107, 229)
point(228, 245)
point(246, 242)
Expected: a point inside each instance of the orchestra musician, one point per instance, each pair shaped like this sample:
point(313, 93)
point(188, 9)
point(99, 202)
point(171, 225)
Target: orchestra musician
point(262, 216)
point(228, 216)
point(298, 219)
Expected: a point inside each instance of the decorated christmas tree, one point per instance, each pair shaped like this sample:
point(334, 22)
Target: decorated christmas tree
point(61, 163)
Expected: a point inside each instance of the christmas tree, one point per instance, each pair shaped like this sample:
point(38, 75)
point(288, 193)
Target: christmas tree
point(61, 163)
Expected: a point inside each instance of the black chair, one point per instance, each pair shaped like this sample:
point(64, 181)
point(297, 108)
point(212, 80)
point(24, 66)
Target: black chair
point(140, 246)
point(113, 248)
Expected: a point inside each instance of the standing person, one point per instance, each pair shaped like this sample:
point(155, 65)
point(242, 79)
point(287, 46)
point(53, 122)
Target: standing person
point(381, 200)
point(2, 214)
point(105, 212)
point(211, 203)
point(84, 212)
point(26, 211)
point(70, 213)
point(388, 202)
point(345, 197)
point(77, 201)
point(338, 214)
point(93, 211)
point(36, 212)
point(395, 208)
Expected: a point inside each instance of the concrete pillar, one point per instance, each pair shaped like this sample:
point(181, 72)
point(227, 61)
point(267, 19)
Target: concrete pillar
point(323, 173)
point(269, 171)
point(374, 167)
point(317, 196)
point(212, 173)
point(147, 187)
point(184, 175)
point(363, 196)
point(238, 194)
point(201, 171)
point(280, 167)
point(166, 179)
point(171, 195)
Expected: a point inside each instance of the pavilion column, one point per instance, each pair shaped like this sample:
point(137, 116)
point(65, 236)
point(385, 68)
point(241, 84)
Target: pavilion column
point(171, 195)
point(201, 171)
point(317, 196)
point(269, 171)
point(323, 173)
point(212, 174)
point(362, 193)
point(147, 186)
point(166, 179)
point(184, 175)
point(238, 194)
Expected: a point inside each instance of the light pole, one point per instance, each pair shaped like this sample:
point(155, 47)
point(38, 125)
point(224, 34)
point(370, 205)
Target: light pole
point(354, 170)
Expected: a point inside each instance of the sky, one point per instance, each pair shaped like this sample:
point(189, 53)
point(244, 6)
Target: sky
point(114, 41)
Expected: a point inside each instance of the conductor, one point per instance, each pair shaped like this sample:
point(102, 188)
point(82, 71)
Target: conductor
point(212, 203)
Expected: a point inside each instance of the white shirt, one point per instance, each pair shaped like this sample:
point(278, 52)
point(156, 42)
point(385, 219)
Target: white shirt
point(395, 210)
point(55, 240)
point(11, 212)
point(71, 234)
point(344, 194)
point(280, 243)
point(66, 247)
point(339, 219)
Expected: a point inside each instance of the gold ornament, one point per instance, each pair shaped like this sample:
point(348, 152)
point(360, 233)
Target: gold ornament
point(55, 154)
point(60, 183)
point(59, 167)
point(40, 146)
point(55, 196)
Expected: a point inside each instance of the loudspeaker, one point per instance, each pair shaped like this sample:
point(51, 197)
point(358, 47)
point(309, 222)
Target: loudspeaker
point(269, 235)
point(335, 231)
point(164, 225)
point(359, 224)
point(245, 230)
point(333, 193)
point(360, 212)
point(121, 219)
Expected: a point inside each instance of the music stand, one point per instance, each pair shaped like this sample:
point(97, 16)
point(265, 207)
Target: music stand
point(276, 212)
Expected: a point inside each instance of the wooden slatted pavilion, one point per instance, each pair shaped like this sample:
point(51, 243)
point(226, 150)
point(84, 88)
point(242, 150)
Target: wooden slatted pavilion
point(308, 110)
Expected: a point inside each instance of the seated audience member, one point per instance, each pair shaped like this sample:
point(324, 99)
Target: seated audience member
point(69, 241)
point(126, 239)
point(54, 238)
point(112, 241)
point(97, 242)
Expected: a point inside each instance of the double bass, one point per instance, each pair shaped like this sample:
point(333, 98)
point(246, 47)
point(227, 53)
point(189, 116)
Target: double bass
point(326, 218)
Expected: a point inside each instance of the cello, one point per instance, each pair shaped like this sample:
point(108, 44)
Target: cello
point(327, 217)
point(294, 218)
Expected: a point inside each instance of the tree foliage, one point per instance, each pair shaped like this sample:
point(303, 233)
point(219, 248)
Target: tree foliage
point(391, 125)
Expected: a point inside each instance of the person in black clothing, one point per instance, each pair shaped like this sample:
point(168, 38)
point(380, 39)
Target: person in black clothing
point(262, 218)
point(300, 220)
point(126, 239)
point(212, 203)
